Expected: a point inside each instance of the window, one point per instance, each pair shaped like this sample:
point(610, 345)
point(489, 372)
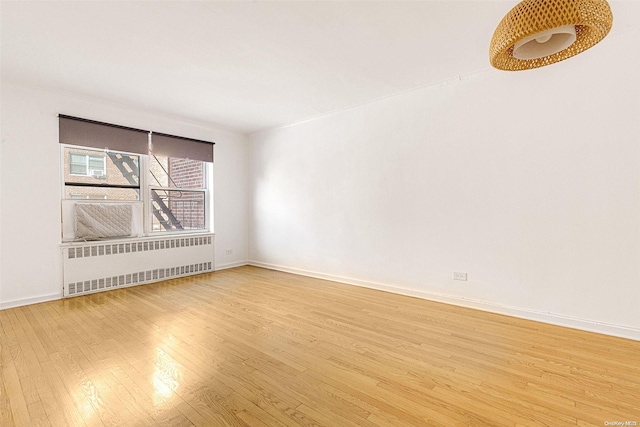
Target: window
point(177, 191)
point(87, 164)
point(98, 175)
point(166, 174)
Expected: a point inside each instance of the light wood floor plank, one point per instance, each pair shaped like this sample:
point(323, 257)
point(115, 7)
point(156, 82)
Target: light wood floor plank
point(255, 347)
point(37, 415)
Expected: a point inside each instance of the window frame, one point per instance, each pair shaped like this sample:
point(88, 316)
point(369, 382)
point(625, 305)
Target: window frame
point(207, 171)
point(144, 189)
point(65, 183)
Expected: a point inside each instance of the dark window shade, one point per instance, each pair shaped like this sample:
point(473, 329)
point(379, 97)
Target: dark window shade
point(183, 148)
point(88, 133)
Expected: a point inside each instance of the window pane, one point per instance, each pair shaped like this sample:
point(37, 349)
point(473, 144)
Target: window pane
point(176, 173)
point(175, 210)
point(98, 193)
point(96, 164)
point(77, 164)
point(123, 169)
point(112, 168)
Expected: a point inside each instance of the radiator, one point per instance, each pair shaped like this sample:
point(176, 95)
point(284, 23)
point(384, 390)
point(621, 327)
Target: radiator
point(90, 267)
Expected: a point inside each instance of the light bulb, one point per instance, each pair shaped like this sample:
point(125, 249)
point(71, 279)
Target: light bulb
point(545, 43)
point(544, 39)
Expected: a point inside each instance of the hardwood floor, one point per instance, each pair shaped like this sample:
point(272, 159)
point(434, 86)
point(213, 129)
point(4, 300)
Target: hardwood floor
point(254, 347)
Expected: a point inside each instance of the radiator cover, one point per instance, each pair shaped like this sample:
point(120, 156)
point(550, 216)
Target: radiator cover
point(99, 266)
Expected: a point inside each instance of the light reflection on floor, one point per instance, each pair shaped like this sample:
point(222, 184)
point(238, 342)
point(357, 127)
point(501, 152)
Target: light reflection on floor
point(166, 378)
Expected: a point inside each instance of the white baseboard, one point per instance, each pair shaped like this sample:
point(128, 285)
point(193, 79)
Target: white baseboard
point(53, 297)
point(230, 265)
point(28, 301)
point(550, 318)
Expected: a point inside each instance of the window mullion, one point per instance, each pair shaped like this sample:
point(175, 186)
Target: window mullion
point(145, 193)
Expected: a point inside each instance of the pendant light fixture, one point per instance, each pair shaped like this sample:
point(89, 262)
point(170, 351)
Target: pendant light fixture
point(536, 33)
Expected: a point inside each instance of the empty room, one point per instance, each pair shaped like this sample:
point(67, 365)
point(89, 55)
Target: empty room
point(320, 213)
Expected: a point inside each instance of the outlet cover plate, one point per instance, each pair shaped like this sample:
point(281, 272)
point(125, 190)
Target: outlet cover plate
point(459, 276)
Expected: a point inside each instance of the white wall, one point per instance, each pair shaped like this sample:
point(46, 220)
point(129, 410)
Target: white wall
point(529, 182)
point(30, 269)
point(1, 145)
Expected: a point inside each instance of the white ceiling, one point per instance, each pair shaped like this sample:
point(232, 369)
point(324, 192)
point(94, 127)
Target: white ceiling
point(249, 65)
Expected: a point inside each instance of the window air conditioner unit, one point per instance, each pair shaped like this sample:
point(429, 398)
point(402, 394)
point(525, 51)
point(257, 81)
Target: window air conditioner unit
point(98, 174)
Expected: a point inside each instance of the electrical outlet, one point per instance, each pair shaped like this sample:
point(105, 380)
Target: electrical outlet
point(459, 276)
point(229, 251)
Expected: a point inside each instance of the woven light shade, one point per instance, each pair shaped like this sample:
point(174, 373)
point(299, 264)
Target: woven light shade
point(556, 20)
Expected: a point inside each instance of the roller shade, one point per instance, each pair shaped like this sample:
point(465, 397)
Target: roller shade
point(89, 133)
point(180, 147)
